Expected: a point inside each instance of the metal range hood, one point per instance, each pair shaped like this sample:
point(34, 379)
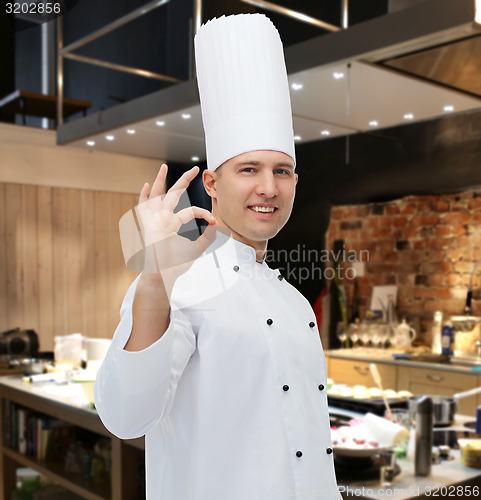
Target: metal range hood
point(395, 41)
point(427, 24)
point(456, 65)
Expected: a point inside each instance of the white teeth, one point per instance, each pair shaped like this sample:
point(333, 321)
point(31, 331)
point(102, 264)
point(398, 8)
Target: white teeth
point(263, 209)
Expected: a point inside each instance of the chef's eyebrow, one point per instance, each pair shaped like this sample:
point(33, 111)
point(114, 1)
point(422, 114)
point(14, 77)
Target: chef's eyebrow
point(249, 162)
point(256, 163)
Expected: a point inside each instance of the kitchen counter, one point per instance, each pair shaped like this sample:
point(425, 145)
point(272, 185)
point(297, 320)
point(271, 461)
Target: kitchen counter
point(374, 355)
point(69, 396)
point(69, 403)
point(448, 478)
point(425, 377)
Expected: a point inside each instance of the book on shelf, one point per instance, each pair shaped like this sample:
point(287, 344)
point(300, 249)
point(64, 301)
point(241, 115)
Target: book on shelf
point(33, 434)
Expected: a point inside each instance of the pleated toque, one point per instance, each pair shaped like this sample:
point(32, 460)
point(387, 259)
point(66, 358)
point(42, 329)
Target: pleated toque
point(243, 87)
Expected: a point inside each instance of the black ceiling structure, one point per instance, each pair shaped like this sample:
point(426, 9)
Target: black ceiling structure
point(378, 39)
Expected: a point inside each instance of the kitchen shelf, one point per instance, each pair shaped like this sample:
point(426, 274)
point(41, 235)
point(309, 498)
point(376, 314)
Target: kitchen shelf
point(55, 472)
point(126, 455)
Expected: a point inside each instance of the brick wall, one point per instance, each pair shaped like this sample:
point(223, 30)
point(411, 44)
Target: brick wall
point(426, 245)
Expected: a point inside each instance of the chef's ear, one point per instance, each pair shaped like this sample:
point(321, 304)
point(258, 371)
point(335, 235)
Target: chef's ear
point(209, 178)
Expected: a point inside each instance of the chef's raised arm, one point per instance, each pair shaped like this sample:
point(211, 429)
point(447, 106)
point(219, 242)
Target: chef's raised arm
point(134, 389)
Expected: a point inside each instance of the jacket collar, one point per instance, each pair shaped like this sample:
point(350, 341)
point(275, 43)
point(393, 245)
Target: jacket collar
point(230, 252)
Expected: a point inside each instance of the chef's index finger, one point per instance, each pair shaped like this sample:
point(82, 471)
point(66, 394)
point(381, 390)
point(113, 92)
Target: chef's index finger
point(158, 185)
point(144, 193)
point(175, 192)
point(190, 213)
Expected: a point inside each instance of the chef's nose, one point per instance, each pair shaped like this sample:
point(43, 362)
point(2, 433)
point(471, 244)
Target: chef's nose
point(267, 185)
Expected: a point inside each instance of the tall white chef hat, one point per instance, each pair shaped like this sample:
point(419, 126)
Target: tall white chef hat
point(243, 87)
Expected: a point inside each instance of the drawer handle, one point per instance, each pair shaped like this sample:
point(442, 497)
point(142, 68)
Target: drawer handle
point(362, 370)
point(435, 378)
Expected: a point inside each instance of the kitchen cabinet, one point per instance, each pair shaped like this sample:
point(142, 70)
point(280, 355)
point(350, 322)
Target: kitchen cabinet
point(126, 456)
point(478, 402)
point(351, 366)
point(439, 382)
point(356, 372)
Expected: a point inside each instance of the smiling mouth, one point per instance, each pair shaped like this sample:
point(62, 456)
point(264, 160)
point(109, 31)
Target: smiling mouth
point(263, 210)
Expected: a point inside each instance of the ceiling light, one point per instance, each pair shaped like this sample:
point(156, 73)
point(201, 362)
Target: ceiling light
point(325, 132)
point(186, 116)
point(408, 116)
point(195, 158)
point(373, 123)
point(338, 76)
point(297, 137)
point(90, 143)
point(160, 123)
point(110, 137)
point(477, 17)
point(130, 131)
point(448, 108)
point(296, 86)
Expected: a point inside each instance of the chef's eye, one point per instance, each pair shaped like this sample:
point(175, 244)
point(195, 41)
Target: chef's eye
point(247, 169)
point(283, 171)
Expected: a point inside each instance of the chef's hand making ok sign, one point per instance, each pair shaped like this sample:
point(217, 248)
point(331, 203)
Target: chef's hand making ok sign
point(165, 251)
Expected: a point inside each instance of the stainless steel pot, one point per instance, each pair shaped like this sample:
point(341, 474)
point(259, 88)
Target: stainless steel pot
point(32, 366)
point(444, 407)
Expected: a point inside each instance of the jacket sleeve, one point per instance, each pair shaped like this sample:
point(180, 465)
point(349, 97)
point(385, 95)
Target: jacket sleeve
point(134, 390)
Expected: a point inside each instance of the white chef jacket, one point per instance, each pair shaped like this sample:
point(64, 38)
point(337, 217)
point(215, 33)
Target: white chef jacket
point(232, 398)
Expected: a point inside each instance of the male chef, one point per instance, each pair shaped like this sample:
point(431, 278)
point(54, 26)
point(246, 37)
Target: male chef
point(217, 359)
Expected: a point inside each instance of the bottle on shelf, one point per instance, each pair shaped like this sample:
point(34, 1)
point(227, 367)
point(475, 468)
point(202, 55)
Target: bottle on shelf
point(355, 313)
point(391, 318)
point(447, 339)
point(391, 310)
point(436, 333)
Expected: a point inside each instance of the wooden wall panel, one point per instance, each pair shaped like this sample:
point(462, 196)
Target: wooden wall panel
point(61, 263)
point(3, 254)
point(102, 216)
point(13, 198)
point(87, 245)
point(29, 254)
point(74, 263)
point(59, 249)
point(117, 284)
point(128, 201)
point(45, 266)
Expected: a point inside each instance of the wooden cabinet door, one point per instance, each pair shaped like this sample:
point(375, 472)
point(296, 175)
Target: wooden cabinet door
point(478, 403)
point(439, 382)
point(353, 372)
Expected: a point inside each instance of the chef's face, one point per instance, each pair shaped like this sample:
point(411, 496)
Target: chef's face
point(253, 194)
